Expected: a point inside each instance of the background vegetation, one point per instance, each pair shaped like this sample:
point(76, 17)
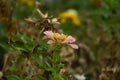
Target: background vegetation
point(94, 23)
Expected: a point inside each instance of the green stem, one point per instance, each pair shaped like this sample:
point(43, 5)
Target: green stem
point(56, 59)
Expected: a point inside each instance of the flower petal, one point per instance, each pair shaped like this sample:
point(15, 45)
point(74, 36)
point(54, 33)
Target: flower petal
point(69, 39)
point(50, 42)
point(74, 46)
point(49, 34)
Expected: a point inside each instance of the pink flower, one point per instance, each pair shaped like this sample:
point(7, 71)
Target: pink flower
point(61, 38)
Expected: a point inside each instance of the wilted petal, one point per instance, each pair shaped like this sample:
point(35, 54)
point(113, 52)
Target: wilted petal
point(46, 15)
point(49, 34)
point(55, 21)
point(80, 77)
point(50, 42)
point(69, 39)
point(74, 46)
point(40, 13)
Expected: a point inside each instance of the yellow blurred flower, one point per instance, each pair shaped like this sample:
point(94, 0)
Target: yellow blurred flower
point(70, 15)
point(28, 2)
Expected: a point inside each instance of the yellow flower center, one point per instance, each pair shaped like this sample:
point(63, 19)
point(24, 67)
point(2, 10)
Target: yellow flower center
point(62, 37)
point(56, 35)
point(59, 37)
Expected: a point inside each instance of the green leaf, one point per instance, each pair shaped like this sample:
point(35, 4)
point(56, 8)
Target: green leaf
point(41, 78)
point(22, 38)
point(6, 46)
point(13, 77)
point(20, 47)
point(22, 43)
point(57, 77)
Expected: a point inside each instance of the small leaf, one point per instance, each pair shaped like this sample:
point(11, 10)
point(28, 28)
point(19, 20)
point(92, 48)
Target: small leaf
point(12, 77)
point(6, 46)
point(41, 78)
point(22, 43)
point(22, 38)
